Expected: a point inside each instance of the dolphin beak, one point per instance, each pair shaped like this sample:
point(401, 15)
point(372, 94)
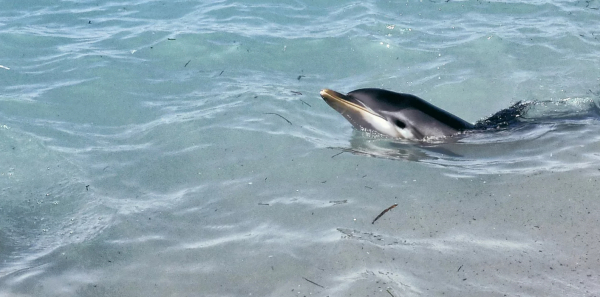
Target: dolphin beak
point(330, 94)
point(343, 104)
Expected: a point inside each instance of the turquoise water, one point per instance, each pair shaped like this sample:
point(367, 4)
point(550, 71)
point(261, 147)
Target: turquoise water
point(143, 154)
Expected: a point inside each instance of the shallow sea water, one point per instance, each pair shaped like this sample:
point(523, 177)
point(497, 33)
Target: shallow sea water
point(157, 148)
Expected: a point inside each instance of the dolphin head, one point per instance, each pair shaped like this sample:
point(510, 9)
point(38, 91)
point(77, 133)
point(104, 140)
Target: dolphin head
point(394, 114)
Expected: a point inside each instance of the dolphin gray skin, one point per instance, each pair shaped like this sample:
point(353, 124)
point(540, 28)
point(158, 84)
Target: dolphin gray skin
point(394, 114)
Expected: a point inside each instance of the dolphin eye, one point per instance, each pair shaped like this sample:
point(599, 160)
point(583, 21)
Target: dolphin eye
point(400, 123)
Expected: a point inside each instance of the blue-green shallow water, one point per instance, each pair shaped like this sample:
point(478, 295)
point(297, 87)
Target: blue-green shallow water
point(140, 156)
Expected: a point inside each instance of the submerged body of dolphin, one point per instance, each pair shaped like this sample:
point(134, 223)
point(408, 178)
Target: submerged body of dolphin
point(394, 114)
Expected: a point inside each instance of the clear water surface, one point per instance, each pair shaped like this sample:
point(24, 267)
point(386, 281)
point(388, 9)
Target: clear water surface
point(180, 148)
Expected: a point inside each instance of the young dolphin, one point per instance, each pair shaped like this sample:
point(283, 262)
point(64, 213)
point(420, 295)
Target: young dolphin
point(394, 114)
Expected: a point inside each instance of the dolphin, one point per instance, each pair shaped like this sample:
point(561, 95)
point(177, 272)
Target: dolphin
point(395, 114)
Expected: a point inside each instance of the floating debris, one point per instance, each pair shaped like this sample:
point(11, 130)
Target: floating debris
point(279, 116)
point(337, 154)
point(383, 212)
point(306, 279)
point(339, 201)
point(305, 103)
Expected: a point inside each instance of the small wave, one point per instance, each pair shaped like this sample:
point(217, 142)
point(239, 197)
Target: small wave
point(522, 112)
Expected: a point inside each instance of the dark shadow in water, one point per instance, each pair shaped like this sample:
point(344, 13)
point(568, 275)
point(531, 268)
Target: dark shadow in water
point(517, 134)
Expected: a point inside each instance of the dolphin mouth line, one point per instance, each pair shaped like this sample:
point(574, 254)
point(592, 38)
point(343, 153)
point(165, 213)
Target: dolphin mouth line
point(330, 95)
